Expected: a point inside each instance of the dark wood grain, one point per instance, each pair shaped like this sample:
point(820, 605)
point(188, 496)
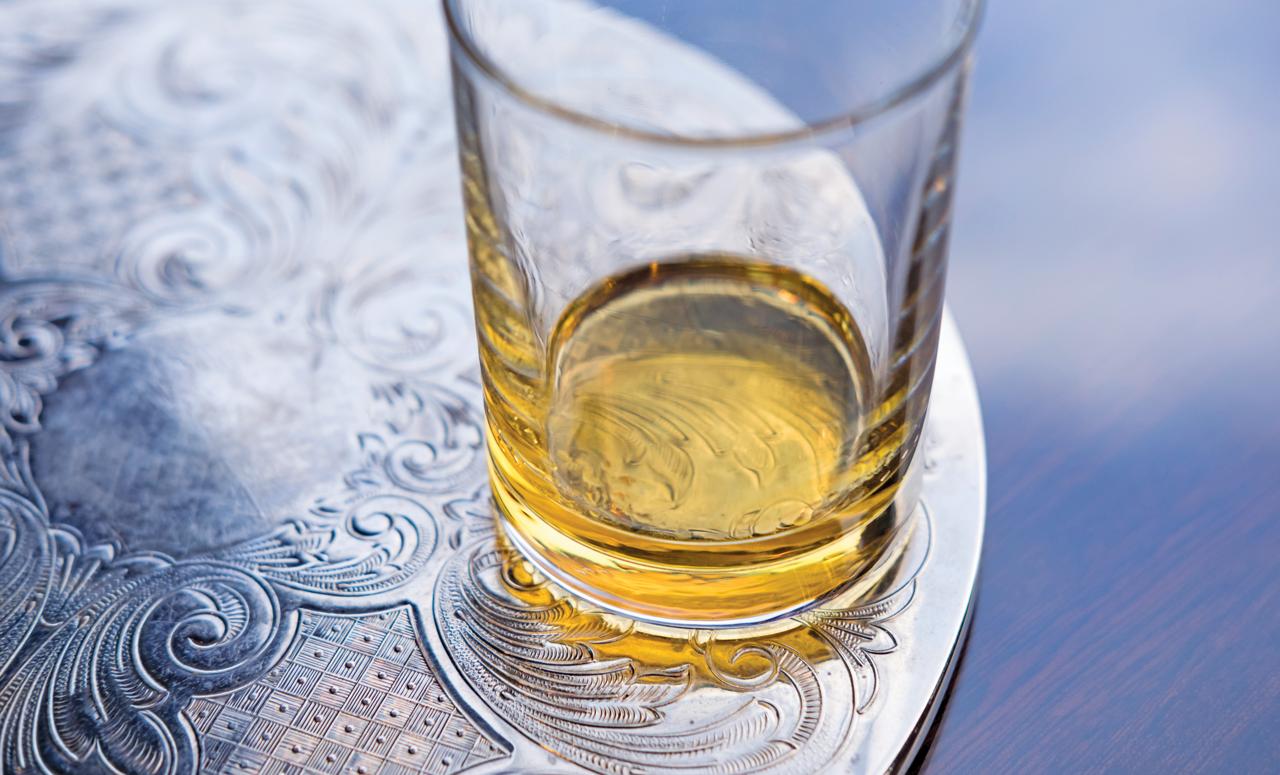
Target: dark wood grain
point(1118, 279)
point(1116, 273)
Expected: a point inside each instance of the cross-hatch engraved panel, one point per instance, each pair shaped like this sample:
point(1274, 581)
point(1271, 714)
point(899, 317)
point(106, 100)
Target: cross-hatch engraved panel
point(104, 178)
point(354, 694)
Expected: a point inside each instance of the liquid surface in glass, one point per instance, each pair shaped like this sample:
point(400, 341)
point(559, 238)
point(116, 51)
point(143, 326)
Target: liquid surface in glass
point(691, 446)
point(705, 399)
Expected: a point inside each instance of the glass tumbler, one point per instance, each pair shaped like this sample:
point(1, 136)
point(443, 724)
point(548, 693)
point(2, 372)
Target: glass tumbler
point(707, 248)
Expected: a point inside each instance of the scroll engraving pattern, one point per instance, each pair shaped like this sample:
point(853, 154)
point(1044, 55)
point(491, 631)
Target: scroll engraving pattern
point(539, 665)
point(101, 649)
point(108, 657)
point(48, 330)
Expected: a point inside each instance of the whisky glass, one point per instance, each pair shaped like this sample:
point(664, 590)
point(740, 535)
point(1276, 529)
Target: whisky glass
point(707, 249)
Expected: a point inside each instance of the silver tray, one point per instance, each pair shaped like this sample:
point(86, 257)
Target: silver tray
point(244, 521)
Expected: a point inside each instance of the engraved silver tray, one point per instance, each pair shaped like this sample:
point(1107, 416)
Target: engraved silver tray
point(244, 522)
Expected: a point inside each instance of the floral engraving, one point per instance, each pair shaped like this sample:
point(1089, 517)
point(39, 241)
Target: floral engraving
point(614, 699)
point(247, 160)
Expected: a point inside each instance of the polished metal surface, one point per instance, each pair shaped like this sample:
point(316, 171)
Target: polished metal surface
point(244, 519)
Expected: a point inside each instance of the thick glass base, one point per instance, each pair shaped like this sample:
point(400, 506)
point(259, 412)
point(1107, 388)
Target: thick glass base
point(714, 584)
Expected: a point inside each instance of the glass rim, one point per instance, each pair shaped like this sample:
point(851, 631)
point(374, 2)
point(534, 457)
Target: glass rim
point(923, 78)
